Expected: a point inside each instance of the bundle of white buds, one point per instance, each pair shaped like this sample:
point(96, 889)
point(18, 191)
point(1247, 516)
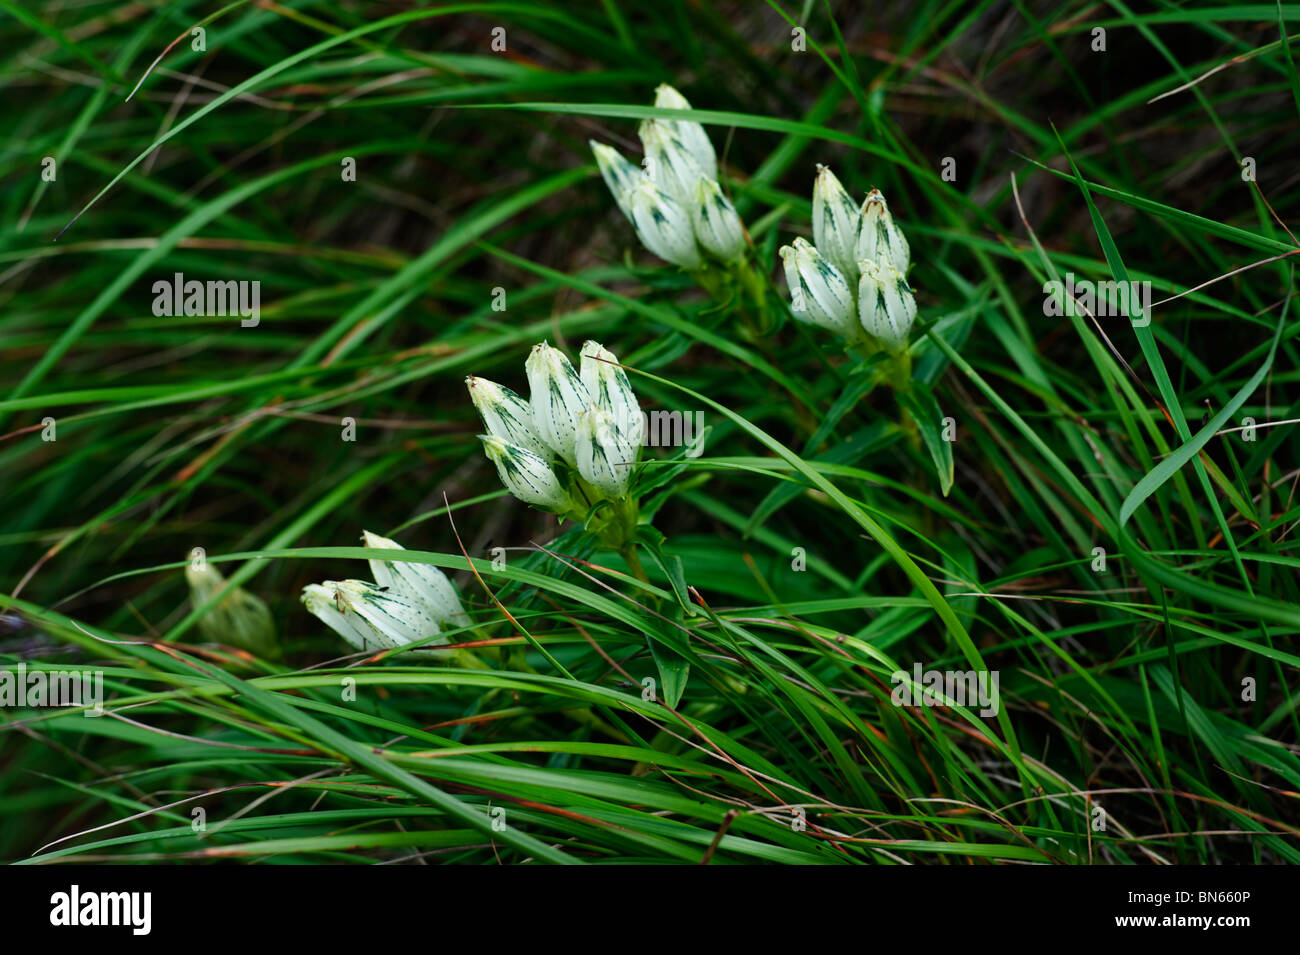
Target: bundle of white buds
point(679, 211)
point(407, 603)
point(852, 279)
point(573, 443)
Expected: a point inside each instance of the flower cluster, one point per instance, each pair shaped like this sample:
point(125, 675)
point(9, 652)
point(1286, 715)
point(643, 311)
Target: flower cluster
point(852, 279)
point(573, 443)
point(570, 447)
point(407, 603)
point(675, 203)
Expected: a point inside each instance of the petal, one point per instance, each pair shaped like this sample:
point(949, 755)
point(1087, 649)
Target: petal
point(826, 296)
point(663, 226)
point(526, 475)
point(322, 602)
point(717, 227)
point(556, 398)
point(421, 583)
point(692, 134)
point(886, 306)
point(668, 162)
point(836, 222)
point(879, 237)
point(506, 415)
point(619, 174)
point(604, 461)
point(394, 618)
point(608, 387)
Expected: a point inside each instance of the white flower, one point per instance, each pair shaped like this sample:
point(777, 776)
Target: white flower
point(369, 616)
point(691, 134)
point(556, 398)
point(676, 204)
point(835, 223)
point(717, 227)
point(407, 603)
point(668, 162)
point(506, 415)
point(322, 602)
point(879, 237)
point(526, 475)
point(620, 175)
point(423, 584)
point(605, 457)
point(886, 306)
point(663, 225)
point(820, 295)
point(608, 387)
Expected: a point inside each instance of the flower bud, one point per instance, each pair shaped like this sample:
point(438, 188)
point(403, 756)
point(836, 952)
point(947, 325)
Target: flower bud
point(886, 306)
point(556, 398)
point(239, 618)
point(820, 295)
point(605, 457)
point(835, 222)
point(620, 175)
point(717, 227)
point(369, 616)
point(668, 162)
point(691, 134)
point(323, 603)
point(608, 387)
point(422, 584)
point(526, 475)
point(506, 415)
point(879, 237)
point(663, 225)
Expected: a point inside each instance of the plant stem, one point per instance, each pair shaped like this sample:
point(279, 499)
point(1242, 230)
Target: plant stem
point(629, 555)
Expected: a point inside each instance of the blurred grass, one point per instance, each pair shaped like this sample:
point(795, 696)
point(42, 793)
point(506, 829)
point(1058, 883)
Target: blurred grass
point(1120, 690)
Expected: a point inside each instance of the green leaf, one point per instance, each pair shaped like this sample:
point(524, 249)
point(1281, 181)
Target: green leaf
point(924, 410)
point(674, 671)
point(670, 565)
point(1192, 446)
